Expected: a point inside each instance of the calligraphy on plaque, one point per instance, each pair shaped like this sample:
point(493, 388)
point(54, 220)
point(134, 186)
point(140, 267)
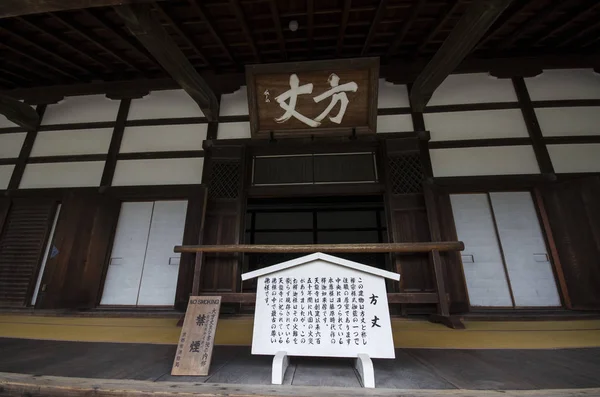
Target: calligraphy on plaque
point(194, 350)
point(321, 305)
point(311, 98)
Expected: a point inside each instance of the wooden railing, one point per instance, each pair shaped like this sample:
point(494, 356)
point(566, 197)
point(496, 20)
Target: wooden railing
point(440, 298)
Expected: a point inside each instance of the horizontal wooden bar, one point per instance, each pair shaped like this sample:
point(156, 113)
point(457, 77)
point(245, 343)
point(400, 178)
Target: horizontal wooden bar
point(325, 248)
point(402, 297)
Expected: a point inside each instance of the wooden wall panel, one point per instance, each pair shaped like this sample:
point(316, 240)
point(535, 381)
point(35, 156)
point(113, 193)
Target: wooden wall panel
point(4, 206)
point(573, 210)
point(220, 272)
point(83, 238)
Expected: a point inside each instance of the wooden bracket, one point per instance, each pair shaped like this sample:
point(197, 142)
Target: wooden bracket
point(19, 113)
point(139, 20)
point(453, 322)
point(474, 23)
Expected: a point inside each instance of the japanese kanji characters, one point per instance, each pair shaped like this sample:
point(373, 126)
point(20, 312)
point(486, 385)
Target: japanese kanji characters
point(288, 100)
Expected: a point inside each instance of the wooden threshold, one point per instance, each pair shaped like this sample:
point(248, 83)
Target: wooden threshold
point(13, 384)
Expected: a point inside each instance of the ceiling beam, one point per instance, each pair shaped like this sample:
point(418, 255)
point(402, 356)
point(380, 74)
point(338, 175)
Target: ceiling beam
point(529, 24)
point(470, 28)
point(310, 16)
point(121, 34)
point(199, 8)
point(51, 53)
point(80, 30)
point(345, 15)
point(60, 38)
point(164, 14)
point(13, 8)
point(439, 23)
point(278, 29)
point(406, 25)
point(374, 25)
point(239, 14)
point(149, 31)
point(19, 113)
point(565, 22)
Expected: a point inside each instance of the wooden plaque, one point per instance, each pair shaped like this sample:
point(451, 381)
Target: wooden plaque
point(197, 338)
point(313, 98)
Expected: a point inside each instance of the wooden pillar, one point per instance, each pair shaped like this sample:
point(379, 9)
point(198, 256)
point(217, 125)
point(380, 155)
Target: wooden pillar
point(443, 312)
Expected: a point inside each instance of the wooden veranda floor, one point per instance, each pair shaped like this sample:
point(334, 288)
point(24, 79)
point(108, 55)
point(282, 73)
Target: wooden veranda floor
point(449, 371)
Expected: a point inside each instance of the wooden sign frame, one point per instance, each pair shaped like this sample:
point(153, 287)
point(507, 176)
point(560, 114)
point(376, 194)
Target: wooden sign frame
point(196, 342)
point(341, 65)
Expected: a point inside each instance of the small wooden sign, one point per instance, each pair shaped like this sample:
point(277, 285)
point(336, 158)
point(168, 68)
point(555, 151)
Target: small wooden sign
point(311, 98)
point(197, 338)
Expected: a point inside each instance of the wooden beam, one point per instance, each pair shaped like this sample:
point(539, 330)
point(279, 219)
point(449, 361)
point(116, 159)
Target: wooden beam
point(13, 8)
point(311, 248)
point(533, 127)
point(406, 25)
point(345, 15)
point(310, 16)
point(115, 143)
point(239, 14)
point(19, 113)
point(471, 27)
point(439, 23)
point(374, 25)
point(564, 22)
point(529, 24)
point(278, 29)
point(163, 12)
point(39, 62)
point(152, 35)
point(199, 8)
point(19, 169)
point(80, 30)
point(49, 52)
point(60, 38)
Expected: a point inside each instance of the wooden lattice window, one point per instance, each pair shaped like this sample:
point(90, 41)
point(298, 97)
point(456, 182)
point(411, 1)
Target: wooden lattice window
point(406, 173)
point(224, 180)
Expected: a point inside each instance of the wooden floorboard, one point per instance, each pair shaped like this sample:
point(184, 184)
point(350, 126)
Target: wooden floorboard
point(406, 372)
point(328, 372)
point(465, 371)
point(13, 385)
point(413, 369)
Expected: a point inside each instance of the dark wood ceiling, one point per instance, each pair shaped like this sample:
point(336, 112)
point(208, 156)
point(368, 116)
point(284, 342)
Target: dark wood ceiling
point(90, 45)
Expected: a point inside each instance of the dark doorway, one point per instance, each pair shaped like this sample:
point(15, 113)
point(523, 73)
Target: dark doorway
point(322, 220)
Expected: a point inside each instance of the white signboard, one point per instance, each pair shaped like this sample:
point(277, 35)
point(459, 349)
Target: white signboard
point(321, 305)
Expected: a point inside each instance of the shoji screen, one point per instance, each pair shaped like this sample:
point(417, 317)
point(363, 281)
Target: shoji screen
point(143, 268)
point(505, 258)
point(482, 258)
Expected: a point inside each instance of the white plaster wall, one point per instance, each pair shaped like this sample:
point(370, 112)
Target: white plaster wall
point(239, 130)
point(395, 123)
point(158, 172)
point(473, 88)
point(493, 160)
point(84, 173)
point(159, 138)
point(234, 104)
point(564, 84)
point(5, 174)
point(58, 143)
point(10, 144)
point(392, 95)
point(575, 157)
point(81, 109)
point(4, 122)
point(478, 124)
point(164, 104)
point(569, 121)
